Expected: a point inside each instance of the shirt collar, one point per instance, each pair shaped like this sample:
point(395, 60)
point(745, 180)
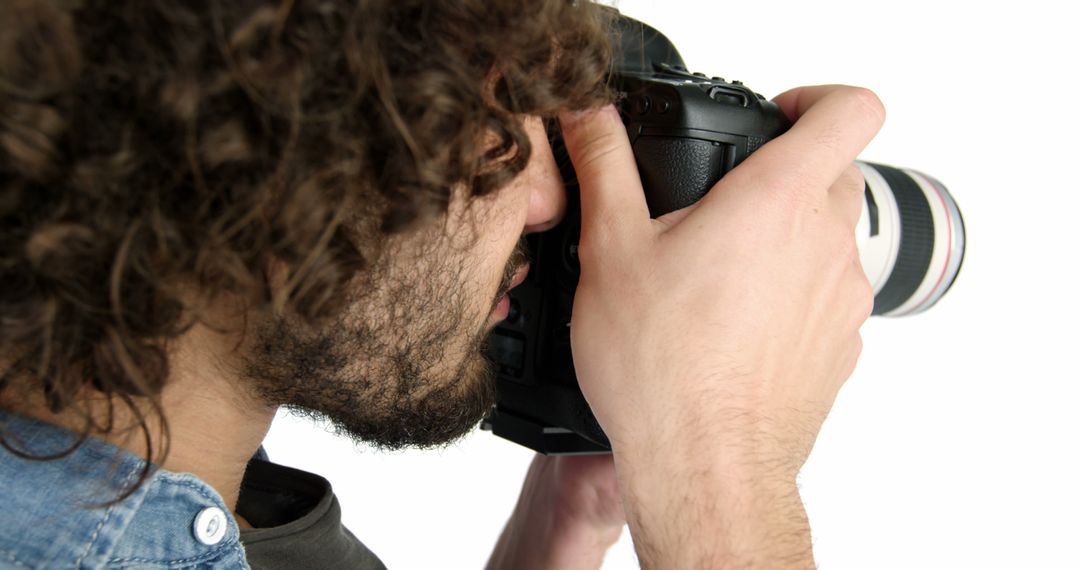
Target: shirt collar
point(62, 512)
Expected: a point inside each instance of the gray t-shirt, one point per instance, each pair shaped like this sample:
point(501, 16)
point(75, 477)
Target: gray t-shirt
point(298, 522)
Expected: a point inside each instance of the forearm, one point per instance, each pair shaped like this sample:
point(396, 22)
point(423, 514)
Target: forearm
point(531, 542)
point(567, 516)
point(700, 513)
point(744, 324)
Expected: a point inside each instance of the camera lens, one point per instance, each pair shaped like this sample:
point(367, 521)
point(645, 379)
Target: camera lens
point(911, 239)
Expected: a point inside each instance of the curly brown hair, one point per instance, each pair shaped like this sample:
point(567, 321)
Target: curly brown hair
point(149, 148)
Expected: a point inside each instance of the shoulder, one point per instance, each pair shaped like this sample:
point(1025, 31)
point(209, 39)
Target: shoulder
point(63, 512)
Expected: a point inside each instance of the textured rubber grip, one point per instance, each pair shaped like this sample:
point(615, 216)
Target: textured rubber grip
point(916, 240)
point(677, 171)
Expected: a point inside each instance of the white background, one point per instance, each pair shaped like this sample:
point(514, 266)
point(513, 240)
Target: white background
point(954, 444)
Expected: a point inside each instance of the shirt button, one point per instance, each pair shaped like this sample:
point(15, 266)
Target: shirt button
point(210, 526)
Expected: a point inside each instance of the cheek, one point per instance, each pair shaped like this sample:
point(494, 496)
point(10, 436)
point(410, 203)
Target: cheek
point(496, 222)
point(483, 233)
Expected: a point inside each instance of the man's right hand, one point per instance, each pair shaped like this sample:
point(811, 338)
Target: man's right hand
point(711, 342)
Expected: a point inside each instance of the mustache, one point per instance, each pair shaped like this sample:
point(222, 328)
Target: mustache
point(518, 259)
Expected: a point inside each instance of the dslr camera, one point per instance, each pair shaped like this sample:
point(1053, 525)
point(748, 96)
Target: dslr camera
point(688, 130)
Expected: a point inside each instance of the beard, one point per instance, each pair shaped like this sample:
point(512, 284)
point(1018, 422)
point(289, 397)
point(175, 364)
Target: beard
point(402, 366)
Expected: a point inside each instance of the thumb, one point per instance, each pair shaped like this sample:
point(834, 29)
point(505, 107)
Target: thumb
point(613, 207)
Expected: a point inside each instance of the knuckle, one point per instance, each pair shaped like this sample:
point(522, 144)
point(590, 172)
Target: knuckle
point(848, 195)
point(867, 300)
point(868, 103)
point(852, 179)
point(851, 248)
point(862, 297)
point(849, 185)
point(590, 154)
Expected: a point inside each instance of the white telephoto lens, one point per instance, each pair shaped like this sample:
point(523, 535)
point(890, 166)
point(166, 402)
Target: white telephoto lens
point(910, 237)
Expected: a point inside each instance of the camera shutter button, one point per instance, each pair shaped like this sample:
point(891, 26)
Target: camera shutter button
point(722, 95)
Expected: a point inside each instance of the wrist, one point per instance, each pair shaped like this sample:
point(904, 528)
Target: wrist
point(548, 538)
point(736, 442)
point(568, 514)
point(697, 509)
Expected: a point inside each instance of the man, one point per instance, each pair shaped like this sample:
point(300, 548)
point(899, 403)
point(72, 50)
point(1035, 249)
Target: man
point(211, 211)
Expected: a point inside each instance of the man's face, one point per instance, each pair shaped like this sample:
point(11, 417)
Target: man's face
point(404, 365)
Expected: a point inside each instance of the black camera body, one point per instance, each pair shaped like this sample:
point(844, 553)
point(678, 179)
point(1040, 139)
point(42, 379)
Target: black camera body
point(687, 130)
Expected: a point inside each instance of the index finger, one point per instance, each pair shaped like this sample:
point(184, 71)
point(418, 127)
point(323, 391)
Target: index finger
point(613, 202)
point(832, 125)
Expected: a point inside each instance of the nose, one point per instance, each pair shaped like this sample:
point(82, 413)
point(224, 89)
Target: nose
point(547, 196)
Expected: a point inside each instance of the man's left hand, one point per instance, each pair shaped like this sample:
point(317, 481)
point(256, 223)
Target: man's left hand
point(568, 515)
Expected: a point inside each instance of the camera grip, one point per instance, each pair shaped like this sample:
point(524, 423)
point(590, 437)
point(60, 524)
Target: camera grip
point(678, 171)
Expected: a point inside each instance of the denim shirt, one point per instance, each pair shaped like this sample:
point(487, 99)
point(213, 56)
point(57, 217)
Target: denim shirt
point(53, 514)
